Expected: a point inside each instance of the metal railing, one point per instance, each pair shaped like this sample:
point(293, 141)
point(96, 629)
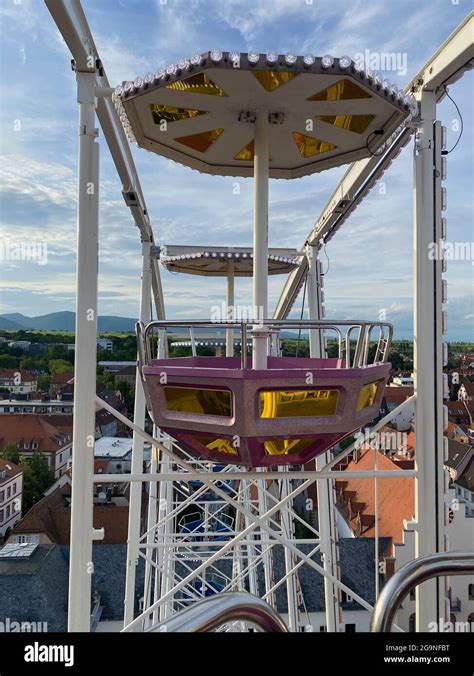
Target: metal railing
point(410, 576)
point(212, 613)
point(357, 332)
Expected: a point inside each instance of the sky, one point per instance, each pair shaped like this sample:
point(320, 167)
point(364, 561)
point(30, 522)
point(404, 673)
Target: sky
point(368, 264)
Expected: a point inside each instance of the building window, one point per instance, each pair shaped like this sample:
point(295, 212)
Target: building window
point(2, 496)
point(1, 515)
point(14, 488)
point(9, 491)
point(8, 511)
point(322, 628)
point(471, 592)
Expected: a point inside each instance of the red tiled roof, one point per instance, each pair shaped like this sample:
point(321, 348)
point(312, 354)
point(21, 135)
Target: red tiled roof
point(61, 378)
point(397, 395)
point(9, 374)
point(11, 470)
point(52, 516)
point(18, 428)
point(396, 497)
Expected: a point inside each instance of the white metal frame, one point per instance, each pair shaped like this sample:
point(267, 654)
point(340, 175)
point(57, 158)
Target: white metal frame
point(94, 97)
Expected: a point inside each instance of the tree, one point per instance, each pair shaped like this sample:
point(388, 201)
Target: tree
point(37, 477)
point(43, 383)
point(8, 361)
point(60, 366)
point(11, 453)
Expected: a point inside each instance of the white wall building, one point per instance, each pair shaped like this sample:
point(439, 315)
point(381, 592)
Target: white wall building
point(105, 344)
point(18, 381)
point(460, 589)
point(11, 487)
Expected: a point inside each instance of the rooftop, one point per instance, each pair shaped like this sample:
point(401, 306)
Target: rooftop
point(396, 498)
point(457, 452)
point(8, 470)
point(32, 432)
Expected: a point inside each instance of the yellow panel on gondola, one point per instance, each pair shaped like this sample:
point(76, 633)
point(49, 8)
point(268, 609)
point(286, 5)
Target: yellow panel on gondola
point(367, 395)
point(286, 446)
point(216, 444)
point(199, 401)
point(297, 403)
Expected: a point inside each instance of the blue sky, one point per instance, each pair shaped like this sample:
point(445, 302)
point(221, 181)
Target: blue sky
point(370, 258)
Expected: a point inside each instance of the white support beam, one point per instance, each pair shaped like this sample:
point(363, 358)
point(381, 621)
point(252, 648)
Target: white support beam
point(139, 411)
point(230, 312)
point(80, 561)
point(325, 487)
point(429, 488)
point(260, 240)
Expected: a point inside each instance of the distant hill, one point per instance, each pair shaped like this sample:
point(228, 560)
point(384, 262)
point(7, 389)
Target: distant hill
point(8, 325)
point(62, 321)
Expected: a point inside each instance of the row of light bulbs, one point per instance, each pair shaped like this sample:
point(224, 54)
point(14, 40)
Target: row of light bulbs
point(271, 58)
point(229, 255)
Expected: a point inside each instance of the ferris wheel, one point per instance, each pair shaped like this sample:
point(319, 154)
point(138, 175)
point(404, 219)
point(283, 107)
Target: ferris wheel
point(241, 438)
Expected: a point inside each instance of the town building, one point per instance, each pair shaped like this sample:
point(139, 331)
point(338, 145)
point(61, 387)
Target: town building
point(11, 488)
point(126, 375)
point(58, 381)
point(115, 366)
point(18, 381)
point(105, 344)
point(33, 433)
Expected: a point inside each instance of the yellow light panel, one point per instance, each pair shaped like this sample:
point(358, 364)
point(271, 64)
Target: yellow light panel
point(202, 141)
point(216, 444)
point(367, 394)
point(298, 403)
point(340, 91)
point(309, 146)
point(287, 446)
point(272, 80)
point(247, 153)
point(172, 113)
point(197, 84)
point(355, 123)
point(199, 401)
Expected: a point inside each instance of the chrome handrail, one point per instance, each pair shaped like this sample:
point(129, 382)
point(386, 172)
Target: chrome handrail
point(410, 576)
point(212, 613)
point(360, 357)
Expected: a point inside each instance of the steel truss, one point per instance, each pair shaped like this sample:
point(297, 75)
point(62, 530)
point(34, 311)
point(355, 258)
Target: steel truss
point(255, 511)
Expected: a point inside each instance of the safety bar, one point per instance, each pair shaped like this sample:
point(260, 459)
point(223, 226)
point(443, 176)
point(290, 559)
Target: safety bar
point(363, 335)
point(212, 613)
point(410, 576)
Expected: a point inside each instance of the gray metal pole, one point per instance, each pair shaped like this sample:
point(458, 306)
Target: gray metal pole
point(134, 512)
point(80, 560)
point(429, 488)
point(260, 239)
point(229, 339)
point(325, 487)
